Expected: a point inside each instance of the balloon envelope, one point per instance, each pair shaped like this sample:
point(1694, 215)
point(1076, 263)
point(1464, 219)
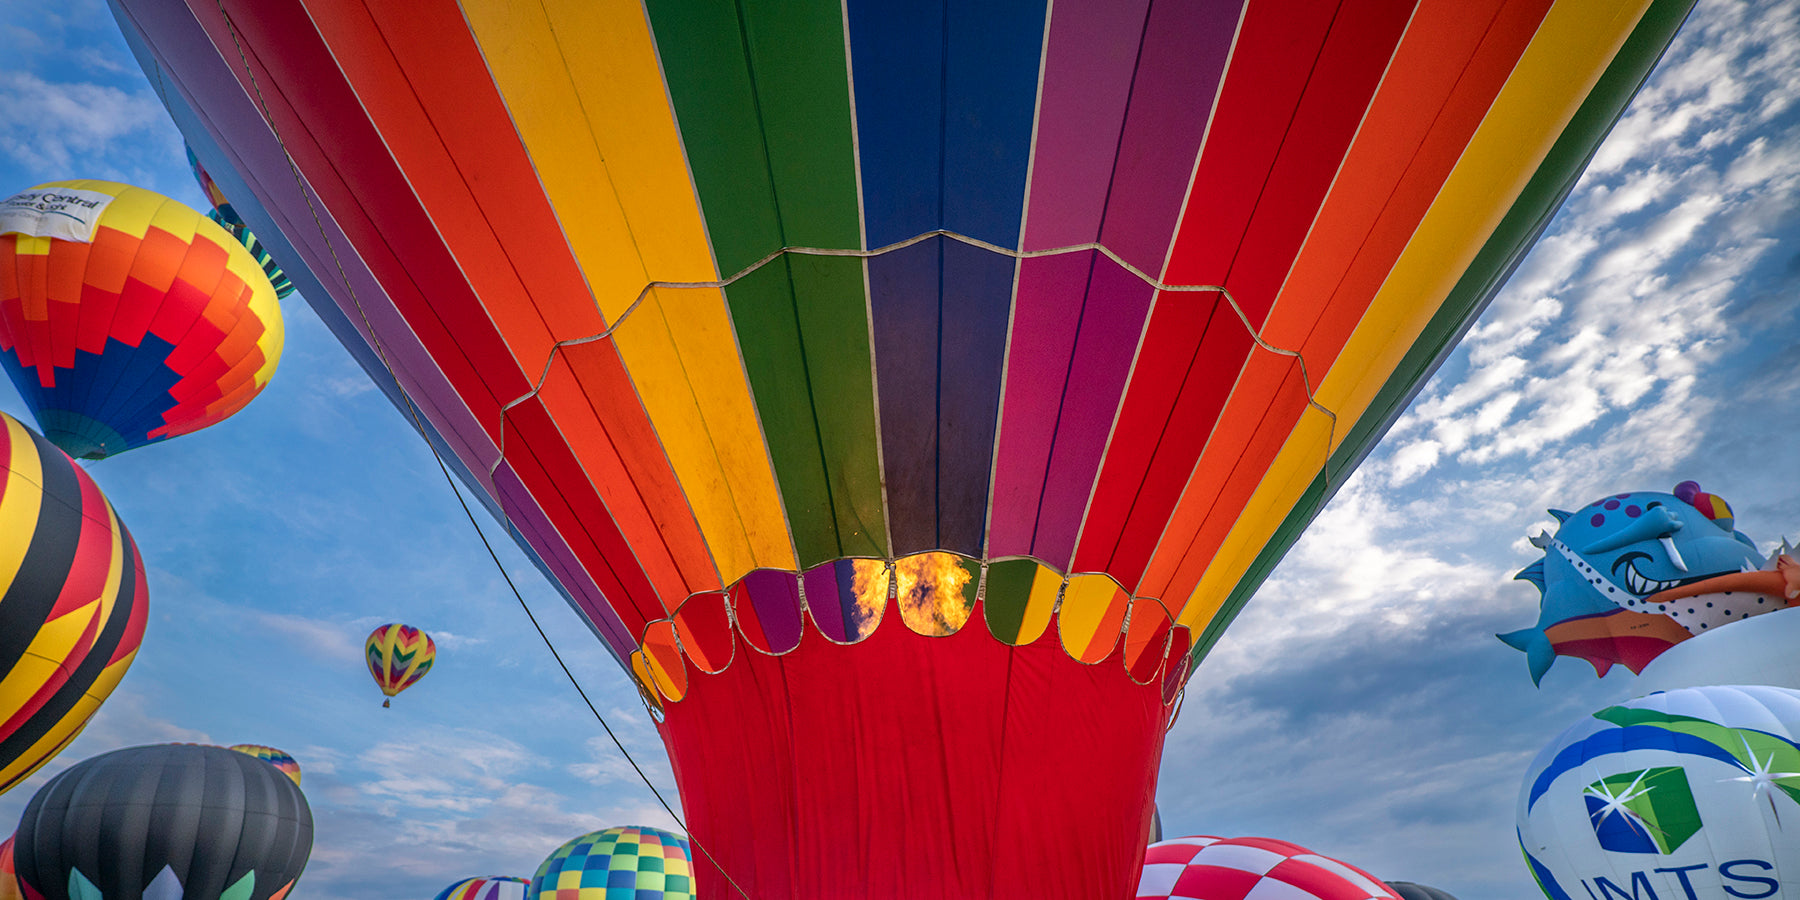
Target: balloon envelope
point(1690, 792)
point(277, 758)
point(73, 601)
point(1410, 891)
point(1210, 868)
point(815, 346)
point(1632, 576)
point(163, 822)
point(398, 656)
point(492, 887)
point(628, 861)
point(127, 318)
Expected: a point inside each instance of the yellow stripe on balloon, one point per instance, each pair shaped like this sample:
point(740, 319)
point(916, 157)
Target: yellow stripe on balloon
point(131, 210)
point(176, 218)
point(1046, 586)
point(266, 307)
point(263, 303)
point(1093, 606)
point(682, 354)
point(30, 245)
point(63, 731)
point(18, 509)
point(50, 649)
point(597, 124)
point(1572, 48)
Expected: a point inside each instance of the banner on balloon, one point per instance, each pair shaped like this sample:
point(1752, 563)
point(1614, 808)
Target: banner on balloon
point(68, 214)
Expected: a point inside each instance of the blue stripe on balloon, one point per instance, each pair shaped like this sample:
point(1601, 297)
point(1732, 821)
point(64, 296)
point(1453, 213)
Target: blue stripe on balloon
point(940, 311)
point(1545, 880)
point(945, 99)
point(1624, 740)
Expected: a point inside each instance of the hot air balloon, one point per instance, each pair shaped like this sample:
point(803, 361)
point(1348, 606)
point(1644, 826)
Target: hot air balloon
point(492, 887)
point(165, 822)
point(1631, 575)
point(399, 655)
point(1249, 867)
point(73, 600)
point(1691, 792)
point(127, 318)
point(846, 363)
point(227, 218)
point(273, 757)
point(629, 861)
point(1410, 891)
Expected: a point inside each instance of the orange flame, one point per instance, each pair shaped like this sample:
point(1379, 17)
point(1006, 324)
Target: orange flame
point(869, 581)
point(928, 588)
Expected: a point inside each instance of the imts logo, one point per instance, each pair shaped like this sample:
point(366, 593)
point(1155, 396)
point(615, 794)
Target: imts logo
point(1646, 811)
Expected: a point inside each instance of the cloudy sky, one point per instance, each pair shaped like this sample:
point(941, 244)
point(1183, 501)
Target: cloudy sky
point(1360, 706)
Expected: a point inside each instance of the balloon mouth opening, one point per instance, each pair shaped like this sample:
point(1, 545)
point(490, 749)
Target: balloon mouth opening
point(80, 436)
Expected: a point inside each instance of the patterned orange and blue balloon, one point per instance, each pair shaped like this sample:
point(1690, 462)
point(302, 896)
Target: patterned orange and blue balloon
point(128, 318)
point(277, 758)
point(72, 600)
point(626, 862)
point(492, 887)
point(399, 655)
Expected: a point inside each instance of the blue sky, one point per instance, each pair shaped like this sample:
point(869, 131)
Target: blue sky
point(1360, 706)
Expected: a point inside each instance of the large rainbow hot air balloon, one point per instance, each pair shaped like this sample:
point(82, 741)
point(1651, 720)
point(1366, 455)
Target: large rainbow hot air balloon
point(877, 375)
point(73, 601)
point(127, 318)
point(398, 655)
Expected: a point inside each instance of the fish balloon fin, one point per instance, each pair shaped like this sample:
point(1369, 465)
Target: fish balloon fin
point(1533, 573)
point(1536, 645)
point(1562, 515)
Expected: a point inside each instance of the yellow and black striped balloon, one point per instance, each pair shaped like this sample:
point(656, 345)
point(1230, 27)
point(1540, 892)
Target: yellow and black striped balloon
point(72, 600)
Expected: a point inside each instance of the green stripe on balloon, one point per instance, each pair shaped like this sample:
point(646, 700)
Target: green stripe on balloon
point(762, 99)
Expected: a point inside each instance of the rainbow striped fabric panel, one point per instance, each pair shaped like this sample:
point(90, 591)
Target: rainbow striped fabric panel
point(160, 325)
point(73, 601)
point(1112, 293)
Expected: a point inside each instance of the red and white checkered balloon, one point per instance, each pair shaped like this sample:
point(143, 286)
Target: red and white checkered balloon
point(1249, 868)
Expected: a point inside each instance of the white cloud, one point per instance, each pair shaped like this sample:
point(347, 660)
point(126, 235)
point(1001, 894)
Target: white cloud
point(55, 125)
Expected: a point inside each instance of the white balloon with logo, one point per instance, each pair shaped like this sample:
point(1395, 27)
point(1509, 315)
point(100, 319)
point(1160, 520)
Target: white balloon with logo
point(1690, 794)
